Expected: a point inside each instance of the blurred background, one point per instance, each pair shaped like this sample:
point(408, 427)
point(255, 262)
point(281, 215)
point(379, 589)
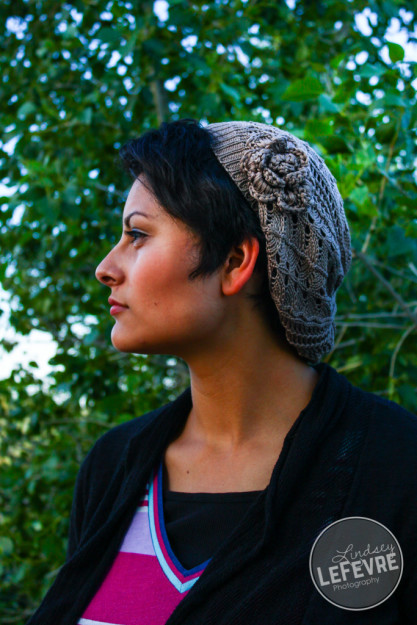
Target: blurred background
point(78, 80)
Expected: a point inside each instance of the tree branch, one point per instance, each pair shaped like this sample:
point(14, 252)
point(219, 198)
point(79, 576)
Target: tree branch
point(410, 314)
point(159, 95)
point(382, 187)
point(395, 271)
point(394, 357)
point(103, 187)
point(369, 324)
point(350, 316)
point(337, 342)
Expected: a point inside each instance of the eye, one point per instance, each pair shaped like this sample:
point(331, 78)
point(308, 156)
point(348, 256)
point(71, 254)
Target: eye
point(136, 235)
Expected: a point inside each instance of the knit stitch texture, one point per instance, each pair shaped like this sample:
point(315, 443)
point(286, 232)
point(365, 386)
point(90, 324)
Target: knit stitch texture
point(302, 216)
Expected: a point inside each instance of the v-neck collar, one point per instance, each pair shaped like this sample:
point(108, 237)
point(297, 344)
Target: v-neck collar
point(183, 579)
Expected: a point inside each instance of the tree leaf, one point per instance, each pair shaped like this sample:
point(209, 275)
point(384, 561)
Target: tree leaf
point(108, 35)
point(6, 545)
point(26, 109)
point(308, 88)
point(395, 51)
point(231, 92)
point(367, 70)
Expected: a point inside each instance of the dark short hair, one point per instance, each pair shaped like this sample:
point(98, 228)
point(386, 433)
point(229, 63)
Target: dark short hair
point(188, 181)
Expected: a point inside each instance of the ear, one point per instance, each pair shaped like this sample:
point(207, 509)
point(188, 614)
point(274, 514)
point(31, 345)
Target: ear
point(239, 266)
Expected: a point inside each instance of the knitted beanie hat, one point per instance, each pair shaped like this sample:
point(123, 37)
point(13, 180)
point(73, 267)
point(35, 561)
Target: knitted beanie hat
point(301, 214)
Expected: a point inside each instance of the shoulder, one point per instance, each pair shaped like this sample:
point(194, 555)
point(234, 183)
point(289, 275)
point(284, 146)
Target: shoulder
point(115, 440)
point(104, 463)
point(363, 409)
point(385, 485)
point(391, 439)
point(385, 415)
point(103, 471)
point(387, 430)
point(110, 449)
point(132, 443)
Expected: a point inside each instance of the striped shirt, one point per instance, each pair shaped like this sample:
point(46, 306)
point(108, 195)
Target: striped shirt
point(146, 581)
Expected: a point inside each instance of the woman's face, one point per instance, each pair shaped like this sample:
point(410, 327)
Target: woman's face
point(147, 272)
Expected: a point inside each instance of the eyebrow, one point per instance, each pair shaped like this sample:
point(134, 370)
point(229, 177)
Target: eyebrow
point(126, 220)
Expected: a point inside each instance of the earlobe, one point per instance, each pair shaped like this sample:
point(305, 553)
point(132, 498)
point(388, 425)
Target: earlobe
point(239, 266)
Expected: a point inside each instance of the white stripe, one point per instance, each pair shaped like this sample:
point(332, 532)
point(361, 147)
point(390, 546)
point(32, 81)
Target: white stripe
point(138, 539)
point(87, 621)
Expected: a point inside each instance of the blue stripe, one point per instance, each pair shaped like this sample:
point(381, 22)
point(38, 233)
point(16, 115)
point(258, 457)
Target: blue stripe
point(164, 534)
point(180, 586)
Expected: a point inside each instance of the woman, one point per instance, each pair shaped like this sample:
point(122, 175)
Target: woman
point(211, 508)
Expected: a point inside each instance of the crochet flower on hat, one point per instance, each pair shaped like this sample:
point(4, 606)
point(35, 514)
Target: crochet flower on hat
point(277, 171)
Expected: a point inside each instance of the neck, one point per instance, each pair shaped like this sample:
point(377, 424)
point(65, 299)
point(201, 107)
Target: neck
point(246, 388)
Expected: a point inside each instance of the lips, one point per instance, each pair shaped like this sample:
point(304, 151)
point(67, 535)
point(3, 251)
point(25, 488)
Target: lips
point(116, 307)
point(114, 302)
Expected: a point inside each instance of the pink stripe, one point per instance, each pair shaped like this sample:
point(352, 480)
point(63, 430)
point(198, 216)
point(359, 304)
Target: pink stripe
point(177, 573)
point(136, 590)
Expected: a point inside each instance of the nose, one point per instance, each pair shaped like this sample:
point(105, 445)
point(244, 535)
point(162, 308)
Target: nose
point(108, 272)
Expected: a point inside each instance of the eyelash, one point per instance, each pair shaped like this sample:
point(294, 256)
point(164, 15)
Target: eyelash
point(136, 235)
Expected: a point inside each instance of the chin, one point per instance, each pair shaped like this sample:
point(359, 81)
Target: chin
point(130, 347)
point(123, 342)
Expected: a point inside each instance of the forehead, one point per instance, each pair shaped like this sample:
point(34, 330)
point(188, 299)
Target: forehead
point(142, 203)
point(141, 199)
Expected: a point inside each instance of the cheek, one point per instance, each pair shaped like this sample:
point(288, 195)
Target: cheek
point(163, 288)
point(161, 271)
point(198, 307)
point(158, 278)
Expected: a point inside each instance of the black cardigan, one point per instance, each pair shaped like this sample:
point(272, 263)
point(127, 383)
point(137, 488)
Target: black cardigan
point(349, 453)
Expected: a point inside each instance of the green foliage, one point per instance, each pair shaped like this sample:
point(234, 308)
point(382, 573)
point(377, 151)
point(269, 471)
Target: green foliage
point(69, 102)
